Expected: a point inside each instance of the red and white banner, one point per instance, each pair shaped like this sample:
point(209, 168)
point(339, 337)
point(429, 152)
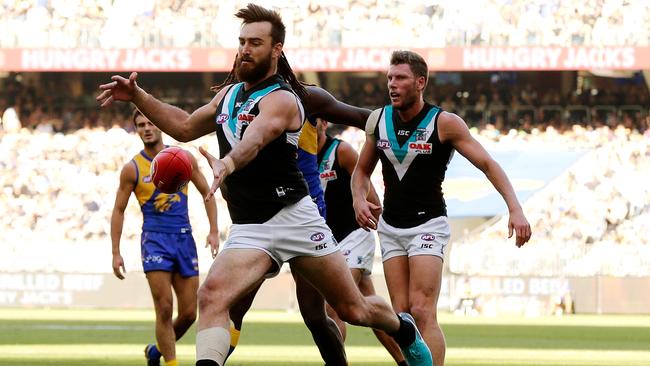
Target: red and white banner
point(329, 59)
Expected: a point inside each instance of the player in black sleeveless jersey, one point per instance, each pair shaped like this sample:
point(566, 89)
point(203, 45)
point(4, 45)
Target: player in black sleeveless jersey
point(274, 220)
point(336, 162)
point(414, 141)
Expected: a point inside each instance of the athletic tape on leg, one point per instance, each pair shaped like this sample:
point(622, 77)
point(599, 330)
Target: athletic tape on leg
point(212, 344)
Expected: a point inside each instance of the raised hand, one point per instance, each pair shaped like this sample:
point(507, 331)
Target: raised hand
point(119, 89)
point(218, 169)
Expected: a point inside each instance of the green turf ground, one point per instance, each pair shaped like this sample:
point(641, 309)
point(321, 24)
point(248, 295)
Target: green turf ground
point(110, 337)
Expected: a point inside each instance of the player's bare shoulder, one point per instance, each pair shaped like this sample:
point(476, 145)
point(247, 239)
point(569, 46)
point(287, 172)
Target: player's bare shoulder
point(451, 127)
point(284, 105)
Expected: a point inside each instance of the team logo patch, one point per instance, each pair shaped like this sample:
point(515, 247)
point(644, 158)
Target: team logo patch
point(147, 178)
point(421, 147)
point(222, 118)
point(420, 134)
point(428, 237)
point(247, 106)
point(328, 175)
point(383, 144)
point(317, 236)
point(245, 117)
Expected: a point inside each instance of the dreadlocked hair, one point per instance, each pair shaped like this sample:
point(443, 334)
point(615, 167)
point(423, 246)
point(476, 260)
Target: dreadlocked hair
point(230, 79)
point(284, 69)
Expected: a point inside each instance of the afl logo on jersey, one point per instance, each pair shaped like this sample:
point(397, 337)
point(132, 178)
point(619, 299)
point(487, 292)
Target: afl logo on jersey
point(317, 236)
point(428, 237)
point(222, 118)
point(146, 179)
point(383, 144)
point(421, 148)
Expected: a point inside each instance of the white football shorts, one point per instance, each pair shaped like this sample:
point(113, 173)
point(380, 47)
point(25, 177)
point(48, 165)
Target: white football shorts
point(430, 238)
point(295, 231)
point(358, 248)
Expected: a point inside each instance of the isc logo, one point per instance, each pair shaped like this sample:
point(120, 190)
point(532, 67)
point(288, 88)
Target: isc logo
point(427, 246)
point(428, 237)
point(222, 118)
point(383, 144)
point(321, 246)
point(317, 236)
point(420, 148)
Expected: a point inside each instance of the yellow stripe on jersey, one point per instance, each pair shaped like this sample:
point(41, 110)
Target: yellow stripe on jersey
point(308, 138)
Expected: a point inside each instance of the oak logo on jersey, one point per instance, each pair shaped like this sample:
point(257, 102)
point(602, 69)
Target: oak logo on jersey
point(245, 117)
point(421, 147)
point(222, 118)
point(383, 144)
point(328, 175)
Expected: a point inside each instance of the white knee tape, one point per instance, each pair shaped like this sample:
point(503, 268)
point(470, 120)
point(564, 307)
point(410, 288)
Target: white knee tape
point(212, 344)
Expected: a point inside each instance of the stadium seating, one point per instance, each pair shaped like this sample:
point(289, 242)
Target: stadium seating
point(353, 23)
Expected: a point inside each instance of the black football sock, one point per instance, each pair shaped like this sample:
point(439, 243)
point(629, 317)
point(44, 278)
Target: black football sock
point(405, 335)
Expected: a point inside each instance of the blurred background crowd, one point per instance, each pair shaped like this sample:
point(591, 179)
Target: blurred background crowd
point(329, 23)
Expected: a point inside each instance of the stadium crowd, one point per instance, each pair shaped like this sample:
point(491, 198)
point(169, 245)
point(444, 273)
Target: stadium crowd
point(591, 220)
point(327, 23)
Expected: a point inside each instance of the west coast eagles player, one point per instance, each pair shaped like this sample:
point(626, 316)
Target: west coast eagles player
point(169, 256)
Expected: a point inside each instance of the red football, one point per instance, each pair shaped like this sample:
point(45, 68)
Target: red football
point(171, 169)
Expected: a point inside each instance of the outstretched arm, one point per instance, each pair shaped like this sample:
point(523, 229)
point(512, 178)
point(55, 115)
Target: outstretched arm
point(202, 186)
point(452, 129)
point(170, 119)
point(127, 185)
point(320, 103)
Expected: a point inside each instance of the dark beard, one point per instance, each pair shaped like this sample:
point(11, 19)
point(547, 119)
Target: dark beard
point(254, 74)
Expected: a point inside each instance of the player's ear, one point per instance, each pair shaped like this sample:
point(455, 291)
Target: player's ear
point(422, 82)
point(277, 49)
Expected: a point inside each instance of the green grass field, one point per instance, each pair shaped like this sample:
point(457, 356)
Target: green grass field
point(116, 337)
